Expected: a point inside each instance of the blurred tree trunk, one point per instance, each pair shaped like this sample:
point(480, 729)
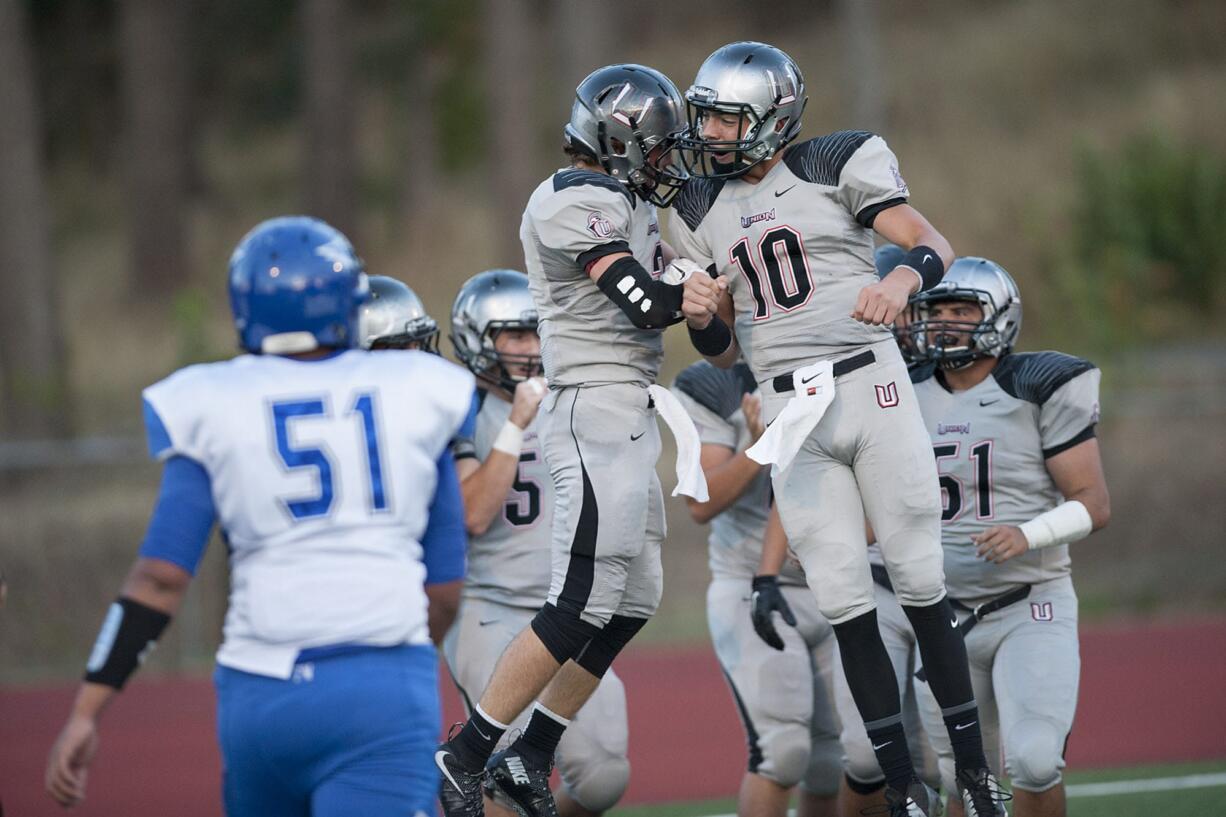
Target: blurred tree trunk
point(156, 96)
point(329, 169)
point(422, 158)
point(861, 26)
point(33, 374)
point(510, 66)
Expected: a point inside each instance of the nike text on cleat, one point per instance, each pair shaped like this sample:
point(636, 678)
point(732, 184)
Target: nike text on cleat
point(524, 784)
point(459, 791)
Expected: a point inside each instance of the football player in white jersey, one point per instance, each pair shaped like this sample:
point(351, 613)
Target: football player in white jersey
point(594, 260)
point(1021, 478)
point(328, 470)
point(788, 230)
point(779, 681)
point(508, 503)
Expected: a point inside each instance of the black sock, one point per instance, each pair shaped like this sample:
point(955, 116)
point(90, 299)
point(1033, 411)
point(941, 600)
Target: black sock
point(476, 741)
point(870, 677)
point(539, 741)
point(944, 653)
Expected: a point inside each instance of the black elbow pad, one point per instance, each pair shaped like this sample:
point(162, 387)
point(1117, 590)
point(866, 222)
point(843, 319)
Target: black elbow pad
point(648, 303)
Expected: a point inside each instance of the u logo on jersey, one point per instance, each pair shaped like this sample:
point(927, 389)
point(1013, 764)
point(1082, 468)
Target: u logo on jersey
point(1041, 611)
point(887, 395)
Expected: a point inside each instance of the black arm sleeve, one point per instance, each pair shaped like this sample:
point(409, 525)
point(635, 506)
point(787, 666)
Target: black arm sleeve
point(648, 303)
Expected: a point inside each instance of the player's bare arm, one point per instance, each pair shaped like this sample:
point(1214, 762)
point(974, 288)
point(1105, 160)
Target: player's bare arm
point(881, 302)
point(444, 604)
point(1078, 473)
point(484, 485)
point(728, 473)
point(157, 585)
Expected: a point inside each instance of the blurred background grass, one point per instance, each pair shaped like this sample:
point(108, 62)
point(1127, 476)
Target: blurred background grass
point(1082, 145)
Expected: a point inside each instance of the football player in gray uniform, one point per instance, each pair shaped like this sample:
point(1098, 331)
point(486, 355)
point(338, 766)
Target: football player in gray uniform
point(395, 318)
point(595, 261)
point(788, 230)
point(508, 510)
point(780, 685)
point(1021, 478)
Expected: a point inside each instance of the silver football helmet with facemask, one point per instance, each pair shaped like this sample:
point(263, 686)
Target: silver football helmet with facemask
point(628, 118)
point(395, 318)
point(488, 303)
point(955, 344)
point(758, 84)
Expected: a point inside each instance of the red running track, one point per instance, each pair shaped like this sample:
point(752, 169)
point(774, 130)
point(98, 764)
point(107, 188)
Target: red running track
point(1149, 694)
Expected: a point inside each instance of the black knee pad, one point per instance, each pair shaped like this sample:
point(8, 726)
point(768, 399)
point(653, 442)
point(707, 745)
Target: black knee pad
point(864, 789)
point(564, 634)
point(598, 656)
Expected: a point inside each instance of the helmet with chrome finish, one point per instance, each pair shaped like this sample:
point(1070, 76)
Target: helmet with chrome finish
point(761, 86)
point(491, 302)
point(395, 318)
point(953, 344)
point(627, 119)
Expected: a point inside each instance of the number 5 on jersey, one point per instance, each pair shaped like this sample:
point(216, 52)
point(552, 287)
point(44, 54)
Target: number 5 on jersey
point(295, 458)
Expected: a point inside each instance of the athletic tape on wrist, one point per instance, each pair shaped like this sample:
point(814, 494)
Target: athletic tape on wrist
point(129, 633)
point(1064, 523)
point(510, 439)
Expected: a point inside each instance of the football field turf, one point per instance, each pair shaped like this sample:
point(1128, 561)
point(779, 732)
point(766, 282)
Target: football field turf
point(1181, 790)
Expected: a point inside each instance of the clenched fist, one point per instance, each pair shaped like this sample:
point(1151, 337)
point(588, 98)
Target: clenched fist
point(701, 298)
point(528, 396)
point(880, 303)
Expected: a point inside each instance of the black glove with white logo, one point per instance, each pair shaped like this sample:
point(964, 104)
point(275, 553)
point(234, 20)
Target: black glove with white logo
point(768, 598)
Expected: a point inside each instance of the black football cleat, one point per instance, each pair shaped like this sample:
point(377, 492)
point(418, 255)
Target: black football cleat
point(459, 790)
point(524, 784)
point(917, 801)
point(981, 794)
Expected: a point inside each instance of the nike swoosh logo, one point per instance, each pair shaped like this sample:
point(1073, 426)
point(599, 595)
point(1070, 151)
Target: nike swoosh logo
point(927, 258)
point(482, 734)
point(989, 402)
point(953, 623)
point(960, 727)
point(487, 621)
point(779, 193)
point(442, 767)
point(634, 437)
point(882, 746)
point(804, 380)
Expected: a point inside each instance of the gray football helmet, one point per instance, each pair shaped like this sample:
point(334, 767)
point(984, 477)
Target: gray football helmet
point(488, 303)
point(622, 113)
point(395, 318)
point(955, 344)
point(760, 85)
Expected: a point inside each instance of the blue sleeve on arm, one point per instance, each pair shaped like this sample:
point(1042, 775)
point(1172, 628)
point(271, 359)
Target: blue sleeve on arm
point(445, 540)
point(183, 516)
point(155, 431)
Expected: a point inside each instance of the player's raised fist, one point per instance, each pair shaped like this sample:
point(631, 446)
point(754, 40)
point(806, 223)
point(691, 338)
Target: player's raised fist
point(700, 300)
point(527, 399)
point(881, 302)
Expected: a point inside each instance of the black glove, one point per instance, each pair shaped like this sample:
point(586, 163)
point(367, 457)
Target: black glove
point(768, 598)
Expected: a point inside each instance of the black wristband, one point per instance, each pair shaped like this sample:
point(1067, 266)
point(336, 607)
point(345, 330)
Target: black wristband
point(927, 262)
point(712, 341)
point(764, 580)
point(129, 632)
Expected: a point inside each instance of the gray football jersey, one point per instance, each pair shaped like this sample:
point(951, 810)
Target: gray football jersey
point(572, 219)
point(797, 247)
point(992, 443)
point(510, 562)
point(712, 397)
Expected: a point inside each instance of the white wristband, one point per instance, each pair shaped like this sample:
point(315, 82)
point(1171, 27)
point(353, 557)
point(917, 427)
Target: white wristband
point(510, 439)
point(1064, 523)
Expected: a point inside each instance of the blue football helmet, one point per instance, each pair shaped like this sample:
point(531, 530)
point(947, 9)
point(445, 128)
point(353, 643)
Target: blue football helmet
point(295, 286)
